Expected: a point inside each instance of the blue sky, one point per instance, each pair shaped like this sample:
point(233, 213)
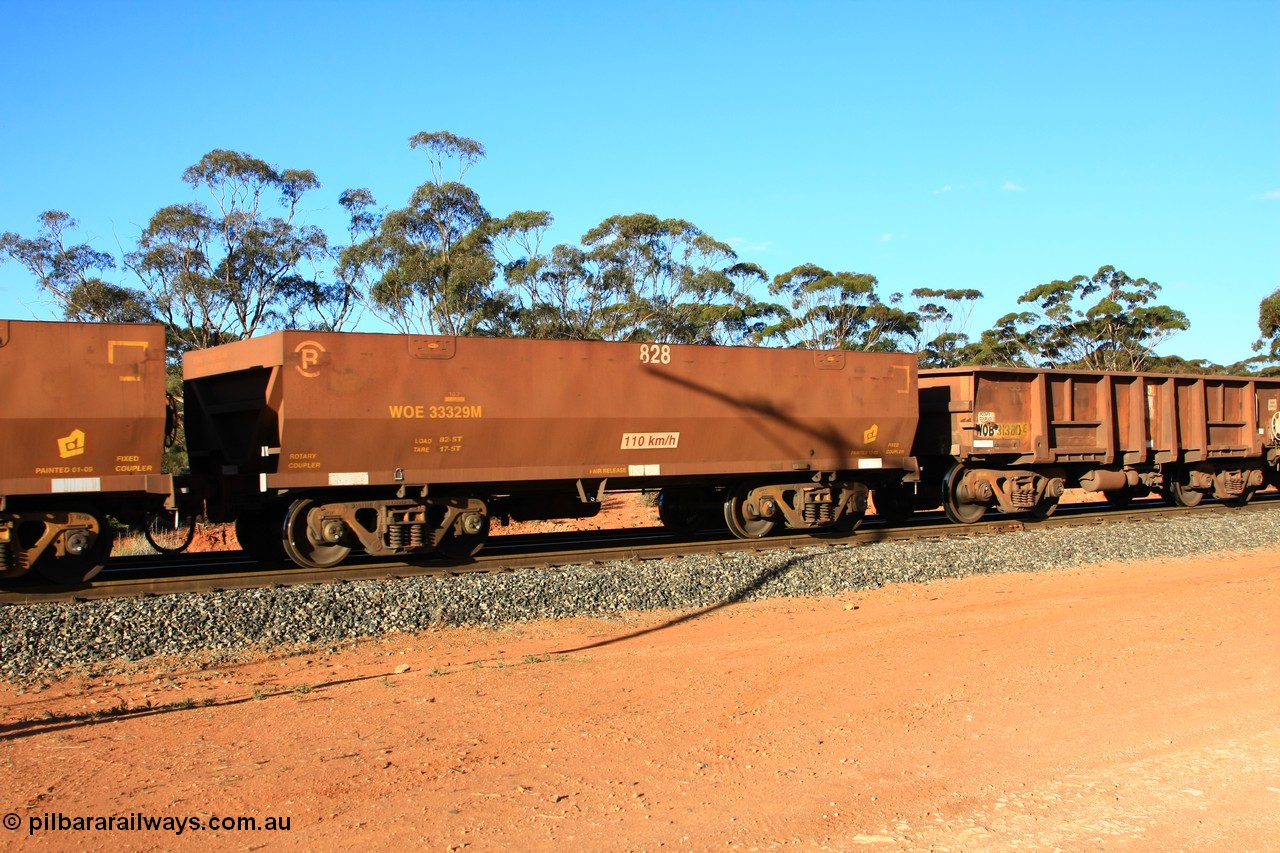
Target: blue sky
point(981, 145)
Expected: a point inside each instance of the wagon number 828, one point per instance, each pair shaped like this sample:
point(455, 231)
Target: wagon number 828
point(655, 354)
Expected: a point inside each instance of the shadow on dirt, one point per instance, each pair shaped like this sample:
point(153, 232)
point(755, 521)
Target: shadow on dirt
point(60, 722)
point(737, 597)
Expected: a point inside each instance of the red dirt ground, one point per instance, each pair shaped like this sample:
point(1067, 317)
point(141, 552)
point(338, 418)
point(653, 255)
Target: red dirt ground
point(1119, 707)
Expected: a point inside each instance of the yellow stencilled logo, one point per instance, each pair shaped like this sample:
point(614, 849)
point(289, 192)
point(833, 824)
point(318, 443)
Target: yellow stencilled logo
point(870, 435)
point(128, 354)
point(309, 353)
point(71, 445)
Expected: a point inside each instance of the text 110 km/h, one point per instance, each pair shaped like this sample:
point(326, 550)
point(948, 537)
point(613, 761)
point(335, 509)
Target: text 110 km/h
point(650, 440)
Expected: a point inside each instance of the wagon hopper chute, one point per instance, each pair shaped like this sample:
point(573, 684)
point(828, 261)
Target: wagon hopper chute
point(1014, 439)
point(82, 433)
point(321, 443)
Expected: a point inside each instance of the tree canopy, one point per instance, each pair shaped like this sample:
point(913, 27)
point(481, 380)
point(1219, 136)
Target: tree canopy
point(72, 274)
point(1107, 321)
point(1269, 327)
point(238, 268)
point(430, 266)
point(838, 311)
point(239, 259)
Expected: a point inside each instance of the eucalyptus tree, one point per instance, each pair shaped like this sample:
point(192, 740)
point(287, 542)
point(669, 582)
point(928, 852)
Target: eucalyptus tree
point(434, 261)
point(1269, 326)
point(1005, 344)
point(943, 314)
point(430, 266)
point(1200, 366)
point(839, 311)
point(641, 278)
point(563, 296)
point(326, 297)
point(741, 318)
point(232, 271)
point(73, 274)
point(1107, 321)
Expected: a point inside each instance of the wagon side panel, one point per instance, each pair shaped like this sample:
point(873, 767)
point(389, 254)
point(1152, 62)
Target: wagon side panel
point(361, 409)
point(86, 407)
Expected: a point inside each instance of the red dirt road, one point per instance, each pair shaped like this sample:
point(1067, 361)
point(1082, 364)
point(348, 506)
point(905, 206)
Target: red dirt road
point(1123, 707)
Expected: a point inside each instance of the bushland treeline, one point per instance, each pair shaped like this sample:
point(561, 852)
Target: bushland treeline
point(238, 260)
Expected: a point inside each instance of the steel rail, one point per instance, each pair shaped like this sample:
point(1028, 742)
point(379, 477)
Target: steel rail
point(216, 572)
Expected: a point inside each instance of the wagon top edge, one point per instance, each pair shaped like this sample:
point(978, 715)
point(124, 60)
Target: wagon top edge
point(282, 347)
point(926, 373)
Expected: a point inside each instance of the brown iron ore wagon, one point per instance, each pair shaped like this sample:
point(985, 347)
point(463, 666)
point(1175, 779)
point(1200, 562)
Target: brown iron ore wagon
point(82, 433)
point(1015, 438)
point(321, 443)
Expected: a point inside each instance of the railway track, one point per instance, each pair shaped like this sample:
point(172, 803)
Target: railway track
point(218, 571)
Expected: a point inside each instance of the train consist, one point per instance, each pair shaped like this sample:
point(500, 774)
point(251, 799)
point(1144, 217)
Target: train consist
point(82, 432)
point(1015, 439)
point(319, 444)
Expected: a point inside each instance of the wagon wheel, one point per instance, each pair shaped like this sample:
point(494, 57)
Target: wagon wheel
point(957, 510)
point(301, 546)
point(169, 531)
point(85, 552)
point(459, 542)
point(741, 518)
point(1176, 494)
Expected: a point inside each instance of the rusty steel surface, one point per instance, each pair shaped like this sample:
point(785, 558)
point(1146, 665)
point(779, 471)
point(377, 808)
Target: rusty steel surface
point(305, 410)
point(543, 552)
point(84, 408)
point(1060, 416)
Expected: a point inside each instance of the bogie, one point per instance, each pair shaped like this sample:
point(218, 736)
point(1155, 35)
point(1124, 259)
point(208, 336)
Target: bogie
point(317, 445)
